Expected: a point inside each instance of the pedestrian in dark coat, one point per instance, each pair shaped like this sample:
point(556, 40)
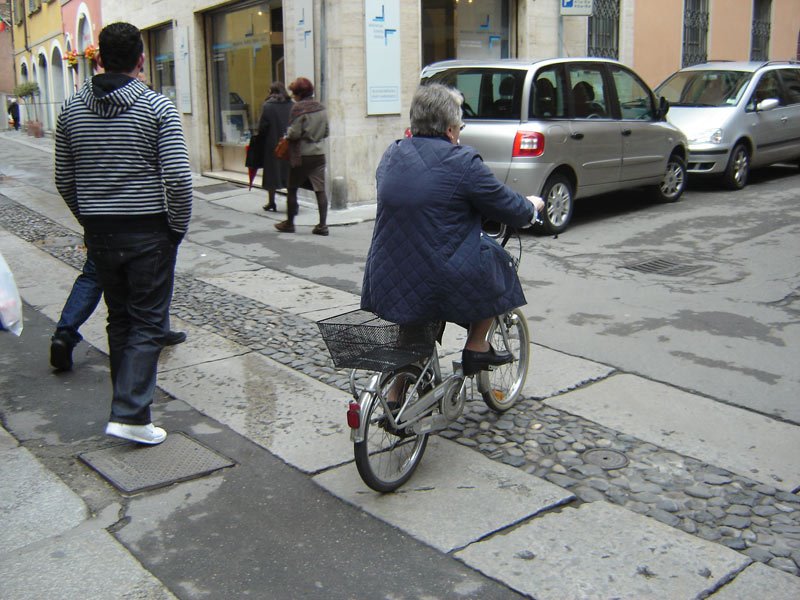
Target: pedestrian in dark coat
point(428, 260)
point(272, 127)
point(13, 111)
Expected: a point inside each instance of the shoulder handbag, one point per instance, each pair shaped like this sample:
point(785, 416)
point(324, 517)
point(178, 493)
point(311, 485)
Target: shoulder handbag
point(282, 149)
point(254, 152)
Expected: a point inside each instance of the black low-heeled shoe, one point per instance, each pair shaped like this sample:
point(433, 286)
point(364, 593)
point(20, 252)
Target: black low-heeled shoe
point(472, 361)
point(272, 207)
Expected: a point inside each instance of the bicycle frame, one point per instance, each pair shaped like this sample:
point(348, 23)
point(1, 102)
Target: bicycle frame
point(410, 414)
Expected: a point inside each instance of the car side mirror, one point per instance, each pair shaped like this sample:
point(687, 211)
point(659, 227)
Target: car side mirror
point(663, 108)
point(767, 104)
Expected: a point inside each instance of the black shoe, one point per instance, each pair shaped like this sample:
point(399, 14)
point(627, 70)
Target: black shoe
point(61, 354)
point(472, 361)
point(273, 207)
point(174, 337)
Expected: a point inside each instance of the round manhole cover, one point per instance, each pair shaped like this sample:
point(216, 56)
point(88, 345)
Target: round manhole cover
point(605, 459)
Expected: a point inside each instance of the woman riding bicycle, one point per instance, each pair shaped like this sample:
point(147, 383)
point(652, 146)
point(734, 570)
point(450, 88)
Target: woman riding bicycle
point(428, 260)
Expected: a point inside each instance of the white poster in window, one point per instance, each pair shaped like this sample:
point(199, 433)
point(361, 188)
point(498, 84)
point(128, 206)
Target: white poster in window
point(182, 71)
point(382, 45)
point(304, 40)
point(480, 33)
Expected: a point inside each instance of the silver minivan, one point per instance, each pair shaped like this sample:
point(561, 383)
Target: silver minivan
point(737, 115)
point(566, 128)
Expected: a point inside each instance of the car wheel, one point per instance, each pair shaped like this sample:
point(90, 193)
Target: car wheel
point(674, 181)
point(559, 201)
point(738, 168)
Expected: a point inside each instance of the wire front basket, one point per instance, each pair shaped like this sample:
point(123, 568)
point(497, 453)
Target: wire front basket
point(361, 340)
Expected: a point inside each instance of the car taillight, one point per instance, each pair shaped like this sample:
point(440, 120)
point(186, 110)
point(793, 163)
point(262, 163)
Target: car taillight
point(354, 415)
point(528, 143)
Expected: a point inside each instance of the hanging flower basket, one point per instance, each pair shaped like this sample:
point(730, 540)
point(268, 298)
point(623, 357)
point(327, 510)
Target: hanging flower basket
point(71, 57)
point(91, 53)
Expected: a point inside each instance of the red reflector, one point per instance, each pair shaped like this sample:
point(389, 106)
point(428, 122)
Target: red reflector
point(354, 415)
point(528, 143)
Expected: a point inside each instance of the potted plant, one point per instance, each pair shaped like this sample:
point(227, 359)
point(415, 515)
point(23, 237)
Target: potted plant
point(27, 90)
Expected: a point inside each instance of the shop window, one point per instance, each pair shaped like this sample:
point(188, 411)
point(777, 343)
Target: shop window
point(246, 53)
point(472, 29)
point(162, 50)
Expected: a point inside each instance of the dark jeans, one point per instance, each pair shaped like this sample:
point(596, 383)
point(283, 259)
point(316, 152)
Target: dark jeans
point(136, 272)
point(80, 304)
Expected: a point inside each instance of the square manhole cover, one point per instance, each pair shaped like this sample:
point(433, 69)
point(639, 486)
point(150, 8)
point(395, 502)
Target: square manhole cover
point(133, 468)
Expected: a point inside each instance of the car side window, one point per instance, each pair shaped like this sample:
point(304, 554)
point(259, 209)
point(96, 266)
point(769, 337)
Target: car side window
point(791, 85)
point(588, 94)
point(547, 97)
point(769, 86)
point(635, 99)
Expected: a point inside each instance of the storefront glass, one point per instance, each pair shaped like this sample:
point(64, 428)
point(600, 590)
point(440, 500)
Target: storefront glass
point(247, 55)
point(163, 62)
point(474, 29)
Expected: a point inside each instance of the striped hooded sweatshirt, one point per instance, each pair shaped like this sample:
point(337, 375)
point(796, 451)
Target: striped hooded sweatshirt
point(121, 159)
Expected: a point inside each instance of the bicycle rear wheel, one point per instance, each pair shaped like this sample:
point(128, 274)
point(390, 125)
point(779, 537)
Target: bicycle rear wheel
point(388, 457)
point(501, 387)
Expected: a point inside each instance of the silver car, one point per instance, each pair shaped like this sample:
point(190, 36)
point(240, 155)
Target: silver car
point(567, 128)
point(737, 115)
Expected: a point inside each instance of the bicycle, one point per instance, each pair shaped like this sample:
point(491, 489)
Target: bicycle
point(389, 433)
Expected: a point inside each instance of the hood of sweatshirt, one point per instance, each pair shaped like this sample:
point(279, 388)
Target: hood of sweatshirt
point(111, 94)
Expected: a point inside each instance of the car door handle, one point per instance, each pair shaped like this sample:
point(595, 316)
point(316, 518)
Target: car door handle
point(576, 136)
point(627, 132)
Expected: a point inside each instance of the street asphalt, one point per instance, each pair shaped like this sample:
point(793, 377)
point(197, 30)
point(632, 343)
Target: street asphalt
point(290, 518)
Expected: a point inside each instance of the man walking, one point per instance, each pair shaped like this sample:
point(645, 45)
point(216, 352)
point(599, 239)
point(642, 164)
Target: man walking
point(123, 169)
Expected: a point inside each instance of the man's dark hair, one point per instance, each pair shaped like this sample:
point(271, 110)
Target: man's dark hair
point(120, 47)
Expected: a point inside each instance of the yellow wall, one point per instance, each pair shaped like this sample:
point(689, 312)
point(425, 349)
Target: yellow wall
point(43, 25)
point(785, 29)
point(658, 39)
point(729, 29)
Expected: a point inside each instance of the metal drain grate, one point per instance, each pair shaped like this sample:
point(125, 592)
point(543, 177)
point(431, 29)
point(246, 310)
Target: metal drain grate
point(216, 188)
point(605, 459)
point(665, 266)
point(132, 468)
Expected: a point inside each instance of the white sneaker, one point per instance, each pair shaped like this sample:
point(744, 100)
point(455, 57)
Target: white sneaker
point(144, 434)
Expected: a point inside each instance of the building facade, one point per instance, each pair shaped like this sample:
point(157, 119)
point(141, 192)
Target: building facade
point(216, 59)
point(51, 39)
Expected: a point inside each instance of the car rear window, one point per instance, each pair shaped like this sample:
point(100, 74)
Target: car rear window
point(489, 93)
point(704, 88)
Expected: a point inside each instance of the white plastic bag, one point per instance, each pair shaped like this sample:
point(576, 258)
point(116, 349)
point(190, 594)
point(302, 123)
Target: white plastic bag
point(10, 303)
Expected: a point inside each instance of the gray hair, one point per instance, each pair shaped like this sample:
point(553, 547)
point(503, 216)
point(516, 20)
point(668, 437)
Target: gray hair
point(434, 108)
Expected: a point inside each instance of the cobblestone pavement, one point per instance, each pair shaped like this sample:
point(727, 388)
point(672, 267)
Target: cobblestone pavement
point(701, 499)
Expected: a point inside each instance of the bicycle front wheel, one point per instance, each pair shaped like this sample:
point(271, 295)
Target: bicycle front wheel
point(388, 456)
point(501, 387)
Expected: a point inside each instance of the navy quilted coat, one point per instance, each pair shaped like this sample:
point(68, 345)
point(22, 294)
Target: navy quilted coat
point(428, 260)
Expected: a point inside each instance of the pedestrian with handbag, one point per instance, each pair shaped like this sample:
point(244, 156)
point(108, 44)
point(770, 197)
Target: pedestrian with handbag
point(308, 128)
point(271, 128)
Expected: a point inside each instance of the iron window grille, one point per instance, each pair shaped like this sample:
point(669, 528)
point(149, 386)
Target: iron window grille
point(759, 45)
point(604, 29)
point(695, 32)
